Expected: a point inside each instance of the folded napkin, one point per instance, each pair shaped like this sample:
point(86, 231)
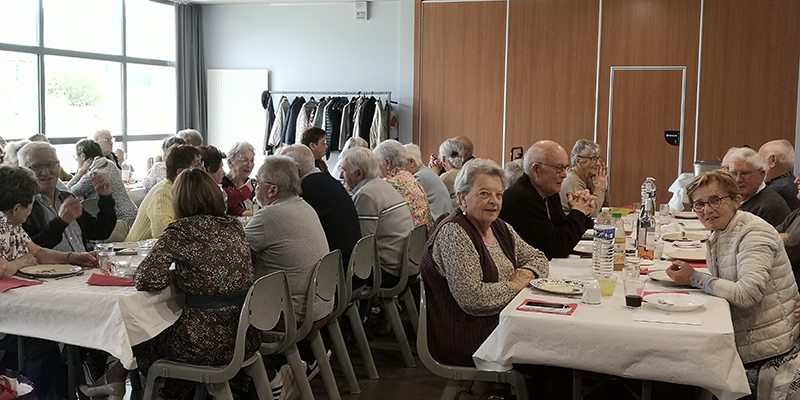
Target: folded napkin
point(678, 292)
point(660, 318)
point(108, 280)
point(13, 283)
point(694, 244)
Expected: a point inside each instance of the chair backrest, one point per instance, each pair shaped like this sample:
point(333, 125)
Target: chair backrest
point(419, 236)
point(324, 284)
point(414, 237)
point(364, 262)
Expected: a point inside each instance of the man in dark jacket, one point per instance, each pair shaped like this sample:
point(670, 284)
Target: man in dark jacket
point(532, 206)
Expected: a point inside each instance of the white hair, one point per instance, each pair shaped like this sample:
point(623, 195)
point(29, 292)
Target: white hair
point(237, 150)
point(99, 133)
point(453, 151)
point(782, 149)
point(24, 155)
point(12, 151)
point(749, 156)
point(582, 148)
point(514, 170)
point(391, 150)
point(359, 158)
point(478, 166)
point(413, 153)
point(302, 155)
point(191, 137)
point(282, 172)
point(535, 154)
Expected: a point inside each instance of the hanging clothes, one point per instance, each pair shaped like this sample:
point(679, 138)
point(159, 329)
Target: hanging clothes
point(319, 114)
point(274, 139)
point(290, 126)
point(303, 120)
point(266, 101)
point(365, 123)
point(378, 129)
point(394, 131)
point(333, 121)
point(346, 123)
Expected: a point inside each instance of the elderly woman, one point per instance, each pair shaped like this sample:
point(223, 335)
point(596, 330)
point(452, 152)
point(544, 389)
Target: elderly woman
point(191, 136)
point(750, 269)
point(588, 172)
point(213, 267)
point(106, 141)
point(90, 158)
point(392, 157)
point(158, 172)
point(212, 162)
point(12, 150)
point(354, 141)
point(514, 169)
point(237, 183)
point(438, 197)
point(44, 366)
point(473, 266)
point(451, 158)
point(57, 220)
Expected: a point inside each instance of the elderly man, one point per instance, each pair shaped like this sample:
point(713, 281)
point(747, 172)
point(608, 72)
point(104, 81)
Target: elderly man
point(778, 156)
point(469, 148)
point(726, 160)
point(757, 198)
point(286, 235)
point(435, 189)
point(156, 212)
point(532, 205)
point(392, 156)
point(330, 200)
point(57, 220)
point(106, 141)
point(382, 211)
point(316, 140)
point(191, 137)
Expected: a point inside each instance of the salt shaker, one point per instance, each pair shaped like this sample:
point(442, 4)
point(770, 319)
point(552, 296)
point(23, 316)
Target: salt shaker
point(591, 292)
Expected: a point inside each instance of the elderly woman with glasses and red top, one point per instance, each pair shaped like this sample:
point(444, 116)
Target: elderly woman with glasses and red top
point(241, 190)
point(588, 172)
point(749, 268)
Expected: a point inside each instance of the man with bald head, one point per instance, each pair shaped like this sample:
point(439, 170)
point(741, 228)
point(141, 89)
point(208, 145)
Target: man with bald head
point(469, 148)
point(778, 156)
point(330, 200)
point(532, 204)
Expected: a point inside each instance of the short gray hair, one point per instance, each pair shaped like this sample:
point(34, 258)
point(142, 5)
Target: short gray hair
point(282, 172)
point(359, 158)
point(478, 166)
point(239, 148)
point(514, 170)
point(582, 148)
point(393, 151)
point(12, 151)
point(99, 133)
point(302, 155)
point(35, 147)
point(413, 153)
point(749, 156)
point(169, 142)
point(39, 137)
point(453, 152)
point(191, 137)
point(354, 141)
point(535, 154)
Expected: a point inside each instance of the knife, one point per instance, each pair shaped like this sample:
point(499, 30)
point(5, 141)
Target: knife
point(31, 277)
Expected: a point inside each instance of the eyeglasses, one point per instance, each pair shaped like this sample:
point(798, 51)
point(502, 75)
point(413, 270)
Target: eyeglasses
point(41, 167)
point(256, 183)
point(245, 160)
point(593, 159)
point(111, 140)
point(558, 168)
point(743, 174)
point(713, 201)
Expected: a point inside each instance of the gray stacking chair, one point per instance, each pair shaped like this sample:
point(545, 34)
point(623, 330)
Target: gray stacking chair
point(343, 295)
point(363, 263)
point(386, 297)
point(262, 308)
point(460, 378)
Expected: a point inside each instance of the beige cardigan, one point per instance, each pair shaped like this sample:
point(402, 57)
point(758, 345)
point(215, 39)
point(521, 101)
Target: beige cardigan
point(757, 280)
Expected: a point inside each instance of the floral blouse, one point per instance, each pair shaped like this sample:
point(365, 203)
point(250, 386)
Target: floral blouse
point(13, 240)
point(412, 191)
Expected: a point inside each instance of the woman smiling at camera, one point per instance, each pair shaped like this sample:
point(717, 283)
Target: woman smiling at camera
point(750, 269)
point(473, 266)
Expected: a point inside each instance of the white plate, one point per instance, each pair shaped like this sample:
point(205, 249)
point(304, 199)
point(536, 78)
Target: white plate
point(675, 301)
point(560, 286)
point(693, 225)
point(584, 246)
point(127, 252)
point(687, 255)
point(588, 235)
point(686, 215)
point(689, 236)
point(50, 270)
point(661, 275)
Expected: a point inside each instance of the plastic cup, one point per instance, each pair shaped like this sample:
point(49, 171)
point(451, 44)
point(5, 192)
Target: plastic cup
point(106, 257)
point(634, 291)
point(663, 210)
point(144, 247)
point(632, 269)
point(607, 285)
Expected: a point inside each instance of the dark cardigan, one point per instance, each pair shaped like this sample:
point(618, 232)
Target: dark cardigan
point(49, 234)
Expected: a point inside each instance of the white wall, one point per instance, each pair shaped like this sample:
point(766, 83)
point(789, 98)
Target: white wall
point(318, 47)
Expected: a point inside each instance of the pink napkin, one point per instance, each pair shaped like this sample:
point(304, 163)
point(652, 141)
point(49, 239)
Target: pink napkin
point(12, 283)
point(572, 307)
point(695, 244)
point(108, 280)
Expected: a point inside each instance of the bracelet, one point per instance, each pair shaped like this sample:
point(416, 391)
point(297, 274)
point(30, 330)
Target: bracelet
point(67, 259)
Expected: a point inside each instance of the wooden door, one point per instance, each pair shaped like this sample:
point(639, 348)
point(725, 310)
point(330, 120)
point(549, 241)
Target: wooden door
point(645, 104)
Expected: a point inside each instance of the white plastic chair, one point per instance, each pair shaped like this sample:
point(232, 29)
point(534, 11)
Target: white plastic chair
point(262, 309)
point(460, 378)
point(363, 264)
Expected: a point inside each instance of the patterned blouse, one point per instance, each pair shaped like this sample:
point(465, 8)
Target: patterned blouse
point(415, 196)
point(13, 240)
point(83, 187)
point(457, 260)
point(211, 257)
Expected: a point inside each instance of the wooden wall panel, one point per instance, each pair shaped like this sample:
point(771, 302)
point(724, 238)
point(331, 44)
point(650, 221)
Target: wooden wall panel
point(648, 33)
point(462, 75)
point(552, 66)
point(748, 87)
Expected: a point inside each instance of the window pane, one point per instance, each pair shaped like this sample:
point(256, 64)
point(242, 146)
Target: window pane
point(138, 153)
point(87, 25)
point(82, 96)
point(66, 156)
point(151, 29)
point(18, 22)
point(19, 105)
point(151, 99)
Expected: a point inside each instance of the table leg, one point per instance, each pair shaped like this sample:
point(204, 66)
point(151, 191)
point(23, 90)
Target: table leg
point(21, 354)
point(646, 389)
point(577, 377)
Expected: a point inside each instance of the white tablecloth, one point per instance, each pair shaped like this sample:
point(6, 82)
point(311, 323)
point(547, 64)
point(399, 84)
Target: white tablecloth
point(100, 317)
point(605, 339)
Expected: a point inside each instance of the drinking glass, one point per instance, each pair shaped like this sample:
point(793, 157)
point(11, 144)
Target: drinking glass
point(106, 257)
point(607, 284)
point(144, 247)
point(634, 291)
point(633, 268)
point(663, 210)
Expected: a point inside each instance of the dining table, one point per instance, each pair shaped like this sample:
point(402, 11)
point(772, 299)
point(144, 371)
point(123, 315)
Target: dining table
point(694, 348)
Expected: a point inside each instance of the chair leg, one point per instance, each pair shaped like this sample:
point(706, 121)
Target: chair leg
point(517, 382)
point(222, 391)
point(361, 339)
point(411, 307)
point(344, 358)
point(452, 389)
point(324, 365)
point(260, 380)
point(153, 384)
point(200, 391)
point(399, 332)
point(299, 372)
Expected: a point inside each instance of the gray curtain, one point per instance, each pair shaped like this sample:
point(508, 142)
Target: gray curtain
point(191, 69)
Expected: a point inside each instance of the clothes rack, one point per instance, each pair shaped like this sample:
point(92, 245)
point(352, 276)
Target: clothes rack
point(331, 93)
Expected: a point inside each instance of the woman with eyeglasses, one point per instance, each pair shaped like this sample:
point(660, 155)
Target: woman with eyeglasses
point(451, 159)
point(588, 172)
point(237, 184)
point(750, 269)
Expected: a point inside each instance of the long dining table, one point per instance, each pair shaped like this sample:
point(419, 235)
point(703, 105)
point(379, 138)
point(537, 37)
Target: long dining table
point(694, 348)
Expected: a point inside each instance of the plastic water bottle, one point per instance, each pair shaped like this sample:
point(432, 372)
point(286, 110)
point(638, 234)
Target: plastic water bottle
point(603, 246)
point(620, 242)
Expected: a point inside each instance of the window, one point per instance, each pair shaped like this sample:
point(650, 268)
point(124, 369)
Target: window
point(85, 25)
point(19, 101)
point(18, 23)
point(151, 29)
point(151, 99)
